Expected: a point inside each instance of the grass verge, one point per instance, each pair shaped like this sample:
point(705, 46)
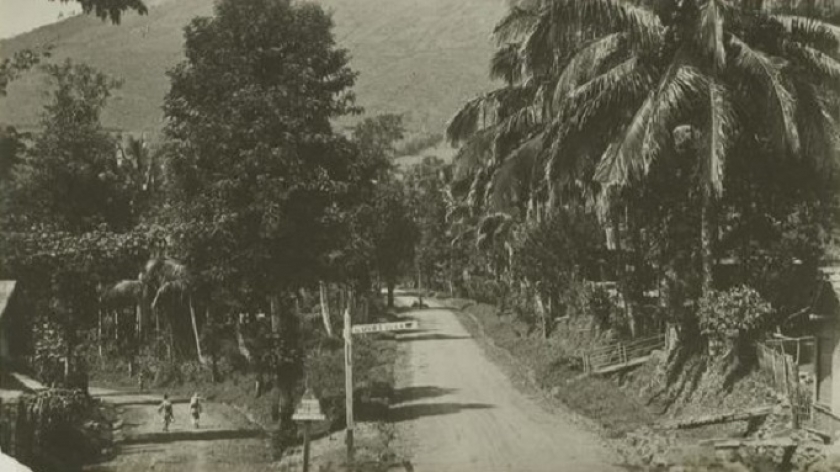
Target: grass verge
point(547, 367)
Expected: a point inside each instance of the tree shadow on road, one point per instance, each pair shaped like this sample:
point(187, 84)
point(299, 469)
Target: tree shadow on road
point(406, 394)
point(195, 435)
point(428, 336)
point(412, 412)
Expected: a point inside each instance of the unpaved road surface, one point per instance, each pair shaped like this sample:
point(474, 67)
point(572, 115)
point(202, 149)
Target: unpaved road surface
point(225, 441)
point(456, 411)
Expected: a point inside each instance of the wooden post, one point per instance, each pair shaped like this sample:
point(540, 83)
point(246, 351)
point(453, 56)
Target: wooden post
point(306, 446)
point(816, 392)
point(786, 375)
point(348, 383)
point(99, 333)
point(798, 350)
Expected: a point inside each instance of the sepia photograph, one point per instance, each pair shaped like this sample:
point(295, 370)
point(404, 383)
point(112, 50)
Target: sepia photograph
point(419, 235)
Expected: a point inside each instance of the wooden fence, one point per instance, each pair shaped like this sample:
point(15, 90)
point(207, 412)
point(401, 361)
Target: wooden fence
point(16, 434)
point(620, 354)
point(781, 364)
point(779, 370)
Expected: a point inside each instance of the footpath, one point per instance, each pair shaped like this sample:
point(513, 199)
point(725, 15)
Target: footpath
point(226, 440)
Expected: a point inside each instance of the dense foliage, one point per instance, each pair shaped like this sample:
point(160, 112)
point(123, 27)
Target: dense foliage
point(702, 134)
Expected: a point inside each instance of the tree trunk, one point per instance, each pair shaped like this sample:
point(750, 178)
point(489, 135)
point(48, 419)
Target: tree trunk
point(707, 236)
point(274, 301)
point(390, 284)
point(240, 340)
point(623, 274)
point(325, 307)
point(419, 284)
point(541, 313)
point(195, 331)
point(99, 333)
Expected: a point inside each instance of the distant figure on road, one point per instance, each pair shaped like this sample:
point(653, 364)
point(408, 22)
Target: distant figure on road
point(195, 409)
point(141, 379)
point(167, 410)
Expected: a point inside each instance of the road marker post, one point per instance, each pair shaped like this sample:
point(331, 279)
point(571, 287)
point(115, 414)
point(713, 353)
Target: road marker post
point(349, 331)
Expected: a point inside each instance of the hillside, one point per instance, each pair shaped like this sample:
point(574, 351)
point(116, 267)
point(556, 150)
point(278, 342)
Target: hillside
point(418, 57)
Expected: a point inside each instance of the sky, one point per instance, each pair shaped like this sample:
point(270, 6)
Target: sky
point(20, 16)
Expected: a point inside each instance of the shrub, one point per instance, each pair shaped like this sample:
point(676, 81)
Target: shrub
point(58, 430)
point(724, 314)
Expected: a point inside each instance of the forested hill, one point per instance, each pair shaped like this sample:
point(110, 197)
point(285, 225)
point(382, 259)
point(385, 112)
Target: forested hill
point(418, 57)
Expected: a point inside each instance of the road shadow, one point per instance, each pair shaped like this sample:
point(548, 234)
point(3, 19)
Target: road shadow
point(412, 412)
point(428, 336)
point(406, 394)
point(196, 435)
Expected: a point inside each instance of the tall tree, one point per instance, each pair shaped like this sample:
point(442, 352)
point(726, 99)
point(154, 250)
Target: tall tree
point(255, 172)
point(70, 179)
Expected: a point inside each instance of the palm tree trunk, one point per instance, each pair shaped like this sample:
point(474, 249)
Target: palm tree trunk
point(707, 237)
point(99, 332)
point(195, 332)
point(240, 341)
point(138, 328)
point(325, 307)
point(623, 275)
point(541, 313)
point(274, 302)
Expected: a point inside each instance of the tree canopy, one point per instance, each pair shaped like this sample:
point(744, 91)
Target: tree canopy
point(254, 169)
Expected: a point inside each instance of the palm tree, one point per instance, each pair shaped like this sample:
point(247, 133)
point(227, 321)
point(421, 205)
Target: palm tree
point(168, 277)
point(596, 88)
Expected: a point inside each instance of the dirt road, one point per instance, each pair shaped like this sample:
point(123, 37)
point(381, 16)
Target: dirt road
point(456, 411)
point(225, 442)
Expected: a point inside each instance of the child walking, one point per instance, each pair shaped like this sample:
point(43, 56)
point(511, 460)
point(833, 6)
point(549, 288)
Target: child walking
point(195, 409)
point(167, 410)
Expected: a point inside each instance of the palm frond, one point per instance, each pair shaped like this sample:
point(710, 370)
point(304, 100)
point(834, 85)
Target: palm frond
point(622, 84)
point(767, 71)
point(516, 164)
point(465, 122)
point(676, 101)
point(640, 142)
point(819, 128)
point(516, 24)
point(812, 32)
point(478, 189)
point(584, 65)
point(507, 63)
point(711, 33)
point(602, 17)
point(817, 63)
point(473, 154)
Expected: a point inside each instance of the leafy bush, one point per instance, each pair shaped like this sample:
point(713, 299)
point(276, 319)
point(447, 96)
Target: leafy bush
point(57, 430)
point(724, 314)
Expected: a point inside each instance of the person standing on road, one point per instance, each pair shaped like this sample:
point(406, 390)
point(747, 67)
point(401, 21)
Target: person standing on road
point(195, 409)
point(168, 412)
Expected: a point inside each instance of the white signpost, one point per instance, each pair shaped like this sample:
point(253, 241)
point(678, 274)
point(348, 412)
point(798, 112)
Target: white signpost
point(308, 410)
point(349, 331)
point(380, 327)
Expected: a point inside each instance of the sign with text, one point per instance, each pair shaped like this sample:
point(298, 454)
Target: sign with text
point(309, 409)
point(380, 327)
